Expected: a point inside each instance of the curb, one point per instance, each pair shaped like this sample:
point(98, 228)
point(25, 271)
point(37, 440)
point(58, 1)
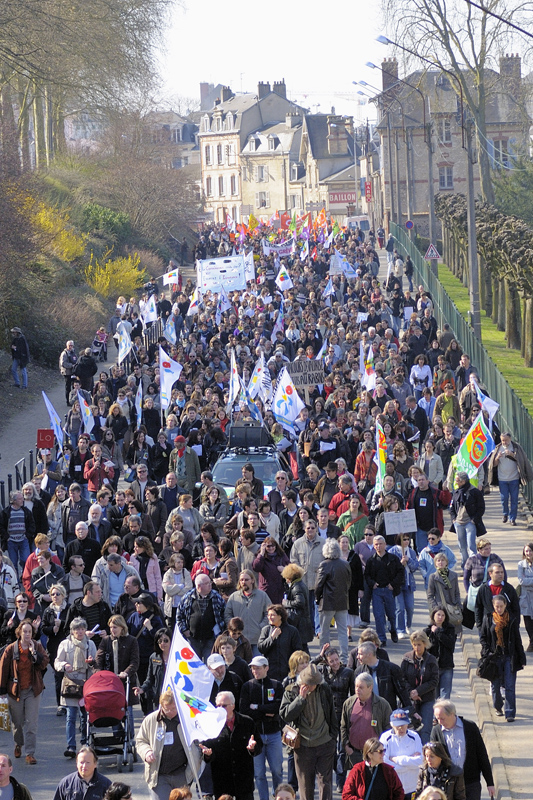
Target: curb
point(489, 730)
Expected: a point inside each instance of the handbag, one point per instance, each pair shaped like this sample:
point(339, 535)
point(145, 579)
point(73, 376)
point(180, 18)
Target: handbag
point(488, 668)
point(129, 475)
point(455, 613)
point(291, 737)
point(71, 688)
point(5, 718)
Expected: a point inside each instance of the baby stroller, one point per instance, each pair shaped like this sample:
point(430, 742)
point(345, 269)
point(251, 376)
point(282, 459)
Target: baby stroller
point(99, 345)
point(107, 707)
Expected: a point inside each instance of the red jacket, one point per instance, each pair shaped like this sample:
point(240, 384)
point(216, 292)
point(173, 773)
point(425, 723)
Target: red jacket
point(354, 786)
point(340, 503)
point(95, 475)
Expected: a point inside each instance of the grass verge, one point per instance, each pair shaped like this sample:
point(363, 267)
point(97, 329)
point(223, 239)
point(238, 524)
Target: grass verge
point(509, 362)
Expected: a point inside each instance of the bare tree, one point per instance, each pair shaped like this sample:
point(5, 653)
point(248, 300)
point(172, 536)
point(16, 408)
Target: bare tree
point(460, 38)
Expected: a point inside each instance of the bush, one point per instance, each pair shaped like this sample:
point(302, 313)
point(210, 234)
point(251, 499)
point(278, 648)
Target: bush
point(103, 221)
point(113, 277)
point(60, 239)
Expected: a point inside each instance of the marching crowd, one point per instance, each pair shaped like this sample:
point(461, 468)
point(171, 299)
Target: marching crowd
point(122, 534)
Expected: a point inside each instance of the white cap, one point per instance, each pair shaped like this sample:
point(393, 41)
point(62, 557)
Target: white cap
point(215, 660)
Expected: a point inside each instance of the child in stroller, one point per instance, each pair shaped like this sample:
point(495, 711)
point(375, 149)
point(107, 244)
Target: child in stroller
point(99, 345)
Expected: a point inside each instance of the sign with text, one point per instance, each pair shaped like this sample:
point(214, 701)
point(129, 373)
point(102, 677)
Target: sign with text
point(400, 522)
point(306, 372)
point(342, 198)
point(368, 191)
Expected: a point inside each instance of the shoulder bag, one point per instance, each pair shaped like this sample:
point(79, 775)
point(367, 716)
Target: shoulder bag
point(455, 613)
point(291, 737)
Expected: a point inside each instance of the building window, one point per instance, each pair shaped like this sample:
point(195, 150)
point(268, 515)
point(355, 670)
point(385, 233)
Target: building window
point(444, 131)
point(221, 186)
point(273, 142)
point(244, 173)
point(261, 174)
point(207, 155)
point(230, 154)
point(175, 135)
point(252, 145)
point(185, 161)
point(294, 172)
point(233, 184)
point(220, 154)
point(501, 154)
point(209, 187)
point(262, 199)
point(176, 163)
point(445, 177)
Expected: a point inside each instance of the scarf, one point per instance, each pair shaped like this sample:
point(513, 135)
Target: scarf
point(501, 621)
point(181, 452)
point(114, 645)
point(434, 549)
point(80, 649)
point(444, 573)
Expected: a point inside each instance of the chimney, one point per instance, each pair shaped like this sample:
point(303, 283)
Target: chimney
point(292, 119)
point(337, 136)
point(511, 73)
point(280, 88)
point(226, 94)
point(204, 91)
point(349, 126)
point(389, 71)
point(262, 90)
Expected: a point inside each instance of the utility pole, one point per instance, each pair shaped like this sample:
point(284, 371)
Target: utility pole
point(434, 264)
point(389, 142)
point(473, 263)
point(408, 146)
point(398, 194)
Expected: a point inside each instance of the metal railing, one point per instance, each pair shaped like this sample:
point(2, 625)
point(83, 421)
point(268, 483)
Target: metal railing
point(23, 474)
point(513, 415)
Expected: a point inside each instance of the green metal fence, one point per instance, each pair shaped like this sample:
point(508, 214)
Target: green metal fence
point(513, 415)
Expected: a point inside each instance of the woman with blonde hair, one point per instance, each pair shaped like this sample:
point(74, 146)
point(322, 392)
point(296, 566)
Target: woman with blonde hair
point(420, 671)
point(296, 603)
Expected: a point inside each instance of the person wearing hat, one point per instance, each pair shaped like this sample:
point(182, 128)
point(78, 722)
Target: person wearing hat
point(143, 624)
point(224, 679)
point(403, 750)
point(466, 510)
point(325, 447)
point(308, 705)
point(184, 462)
point(20, 353)
point(261, 699)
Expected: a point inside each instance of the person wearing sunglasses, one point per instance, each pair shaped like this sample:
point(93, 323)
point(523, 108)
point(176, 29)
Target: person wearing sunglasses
point(372, 779)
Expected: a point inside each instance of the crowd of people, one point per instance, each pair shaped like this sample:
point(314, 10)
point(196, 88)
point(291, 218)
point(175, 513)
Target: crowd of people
point(122, 535)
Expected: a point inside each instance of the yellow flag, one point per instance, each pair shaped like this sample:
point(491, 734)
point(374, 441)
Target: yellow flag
point(252, 222)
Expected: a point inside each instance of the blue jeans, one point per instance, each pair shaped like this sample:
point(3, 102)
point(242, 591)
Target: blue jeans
point(70, 725)
point(15, 366)
point(426, 712)
point(509, 489)
point(421, 540)
point(18, 552)
point(466, 537)
point(273, 753)
point(507, 679)
point(313, 611)
point(445, 683)
point(396, 325)
point(341, 618)
point(405, 605)
point(383, 605)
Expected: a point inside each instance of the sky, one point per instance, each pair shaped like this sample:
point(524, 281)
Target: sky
point(239, 43)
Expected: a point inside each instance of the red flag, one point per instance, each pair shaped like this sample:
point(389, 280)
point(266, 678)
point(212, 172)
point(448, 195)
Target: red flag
point(314, 253)
point(307, 220)
point(284, 220)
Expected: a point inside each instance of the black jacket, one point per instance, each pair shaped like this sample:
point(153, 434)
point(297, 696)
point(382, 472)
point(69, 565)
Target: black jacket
point(77, 609)
point(297, 606)
point(266, 694)
point(392, 686)
point(341, 683)
point(513, 646)
point(449, 779)
point(474, 502)
point(484, 601)
point(232, 765)
point(442, 645)
point(39, 515)
point(153, 685)
point(379, 572)
point(231, 683)
point(332, 585)
point(4, 524)
point(477, 761)
point(279, 650)
point(429, 675)
point(115, 516)
point(65, 514)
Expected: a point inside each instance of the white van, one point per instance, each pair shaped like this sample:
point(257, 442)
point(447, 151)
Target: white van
point(357, 222)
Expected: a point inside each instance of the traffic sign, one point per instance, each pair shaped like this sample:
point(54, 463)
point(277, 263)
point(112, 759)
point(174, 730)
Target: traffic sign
point(431, 253)
point(409, 224)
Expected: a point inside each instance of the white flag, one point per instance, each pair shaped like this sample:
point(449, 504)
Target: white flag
point(256, 379)
point(249, 266)
point(150, 311)
point(171, 277)
point(287, 403)
point(139, 403)
point(169, 372)
point(234, 381)
point(195, 302)
point(55, 421)
point(86, 413)
point(124, 342)
point(284, 280)
point(304, 251)
point(191, 684)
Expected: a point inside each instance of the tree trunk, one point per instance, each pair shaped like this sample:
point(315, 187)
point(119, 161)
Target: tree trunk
point(24, 123)
point(501, 307)
point(495, 300)
point(487, 279)
point(10, 164)
point(38, 128)
point(528, 330)
point(524, 335)
point(512, 314)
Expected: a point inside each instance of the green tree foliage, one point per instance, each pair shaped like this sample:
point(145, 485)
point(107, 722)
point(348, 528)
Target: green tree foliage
point(513, 191)
point(104, 221)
